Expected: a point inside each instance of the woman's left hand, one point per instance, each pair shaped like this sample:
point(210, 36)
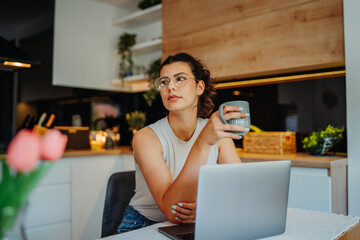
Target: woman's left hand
point(184, 212)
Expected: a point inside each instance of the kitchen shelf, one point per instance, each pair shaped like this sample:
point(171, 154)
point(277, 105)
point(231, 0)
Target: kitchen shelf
point(134, 78)
point(133, 84)
point(139, 16)
point(139, 83)
point(114, 2)
point(147, 46)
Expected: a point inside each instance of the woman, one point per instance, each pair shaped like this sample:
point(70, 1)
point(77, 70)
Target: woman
point(170, 152)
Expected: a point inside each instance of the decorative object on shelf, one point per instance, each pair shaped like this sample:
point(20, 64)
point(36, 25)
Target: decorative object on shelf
point(148, 3)
point(22, 170)
point(139, 70)
point(126, 41)
point(97, 139)
point(136, 120)
point(76, 120)
point(110, 139)
point(320, 142)
point(153, 73)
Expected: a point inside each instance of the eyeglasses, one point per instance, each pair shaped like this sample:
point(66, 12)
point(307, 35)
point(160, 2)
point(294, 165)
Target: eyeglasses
point(180, 80)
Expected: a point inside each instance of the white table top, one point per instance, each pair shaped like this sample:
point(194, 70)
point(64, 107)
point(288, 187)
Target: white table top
point(300, 225)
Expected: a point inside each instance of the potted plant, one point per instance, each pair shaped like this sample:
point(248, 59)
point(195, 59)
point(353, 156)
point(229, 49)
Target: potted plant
point(136, 120)
point(148, 3)
point(126, 41)
point(320, 142)
point(153, 73)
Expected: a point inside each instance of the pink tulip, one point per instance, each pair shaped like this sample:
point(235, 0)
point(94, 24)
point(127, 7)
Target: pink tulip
point(53, 145)
point(24, 151)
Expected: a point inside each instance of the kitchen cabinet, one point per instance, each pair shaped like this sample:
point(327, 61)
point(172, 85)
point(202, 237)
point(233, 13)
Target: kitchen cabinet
point(85, 42)
point(68, 202)
point(310, 188)
point(239, 39)
point(49, 205)
point(90, 176)
point(316, 182)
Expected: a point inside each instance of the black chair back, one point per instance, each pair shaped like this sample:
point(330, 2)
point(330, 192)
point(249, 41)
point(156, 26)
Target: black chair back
point(120, 189)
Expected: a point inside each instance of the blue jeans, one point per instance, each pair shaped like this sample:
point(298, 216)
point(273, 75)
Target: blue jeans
point(132, 220)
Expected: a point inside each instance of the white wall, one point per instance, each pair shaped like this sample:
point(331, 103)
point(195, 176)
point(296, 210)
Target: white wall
point(352, 58)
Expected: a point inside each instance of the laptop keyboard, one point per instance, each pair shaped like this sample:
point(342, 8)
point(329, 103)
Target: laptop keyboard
point(187, 236)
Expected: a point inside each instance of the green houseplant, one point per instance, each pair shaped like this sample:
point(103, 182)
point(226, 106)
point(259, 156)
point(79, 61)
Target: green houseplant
point(320, 142)
point(152, 73)
point(143, 4)
point(126, 41)
point(136, 120)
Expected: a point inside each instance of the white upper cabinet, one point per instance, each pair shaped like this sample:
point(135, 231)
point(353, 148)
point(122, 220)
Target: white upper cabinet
point(86, 38)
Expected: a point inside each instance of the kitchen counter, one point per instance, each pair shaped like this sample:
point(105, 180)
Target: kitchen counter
point(89, 152)
point(297, 159)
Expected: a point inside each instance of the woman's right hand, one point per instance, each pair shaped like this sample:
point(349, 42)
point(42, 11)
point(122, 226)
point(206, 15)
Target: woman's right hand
point(184, 212)
point(215, 129)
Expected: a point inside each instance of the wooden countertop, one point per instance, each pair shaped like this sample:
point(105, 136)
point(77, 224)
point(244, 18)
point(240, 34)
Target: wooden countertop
point(297, 159)
point(89, 152)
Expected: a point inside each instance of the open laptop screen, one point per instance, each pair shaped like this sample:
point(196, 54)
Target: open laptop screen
point(240, 201)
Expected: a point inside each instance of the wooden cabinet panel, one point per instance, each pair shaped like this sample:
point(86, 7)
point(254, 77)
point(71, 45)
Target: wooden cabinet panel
point(269, 38)
point(198, 15)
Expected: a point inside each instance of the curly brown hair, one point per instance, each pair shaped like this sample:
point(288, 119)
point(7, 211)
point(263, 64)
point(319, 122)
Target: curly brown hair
point(206, 103)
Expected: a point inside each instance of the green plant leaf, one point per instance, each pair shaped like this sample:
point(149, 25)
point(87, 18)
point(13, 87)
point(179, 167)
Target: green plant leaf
point(7, 185)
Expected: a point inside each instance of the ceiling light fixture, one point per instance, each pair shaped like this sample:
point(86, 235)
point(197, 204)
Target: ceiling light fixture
point(12, 57)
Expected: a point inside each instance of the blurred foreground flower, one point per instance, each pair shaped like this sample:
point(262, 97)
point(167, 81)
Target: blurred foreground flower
point(22, 169)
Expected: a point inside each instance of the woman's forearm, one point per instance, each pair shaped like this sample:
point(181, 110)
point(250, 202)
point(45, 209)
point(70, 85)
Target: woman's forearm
point(184, 187)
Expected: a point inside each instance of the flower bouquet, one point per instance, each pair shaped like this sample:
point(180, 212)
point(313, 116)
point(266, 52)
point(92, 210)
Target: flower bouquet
point(320, 142)
point(22, 170)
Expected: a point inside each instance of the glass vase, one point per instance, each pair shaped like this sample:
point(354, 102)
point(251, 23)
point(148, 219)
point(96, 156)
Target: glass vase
point(15, 219)
point(324, 147)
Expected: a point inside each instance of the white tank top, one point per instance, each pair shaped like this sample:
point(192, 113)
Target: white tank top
point(175, 155)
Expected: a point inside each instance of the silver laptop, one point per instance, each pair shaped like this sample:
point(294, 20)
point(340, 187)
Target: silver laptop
point(238, 201)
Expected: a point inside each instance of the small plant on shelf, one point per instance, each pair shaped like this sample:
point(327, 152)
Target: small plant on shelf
point(136, 120)
point(153, 73)
point(126, 41)
point(320, 142)
point(148, 3)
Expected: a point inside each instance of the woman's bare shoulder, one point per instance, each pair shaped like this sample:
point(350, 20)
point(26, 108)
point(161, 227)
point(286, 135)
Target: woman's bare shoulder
point(146, 140)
